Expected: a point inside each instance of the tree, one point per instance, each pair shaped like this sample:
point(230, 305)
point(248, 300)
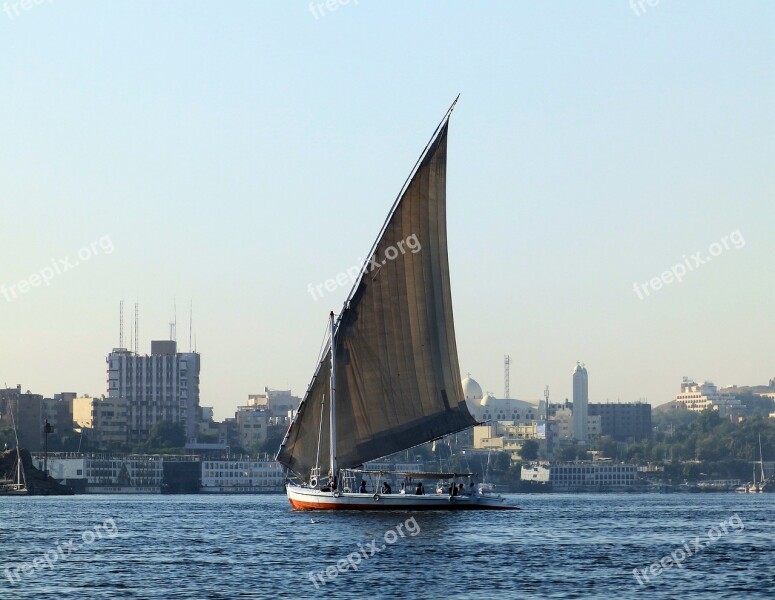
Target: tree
point(166, 436)
point(274, 437)
point(529, 450)
point(566, 453)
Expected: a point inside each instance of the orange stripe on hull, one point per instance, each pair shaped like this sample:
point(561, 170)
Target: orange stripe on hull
point(301, 505)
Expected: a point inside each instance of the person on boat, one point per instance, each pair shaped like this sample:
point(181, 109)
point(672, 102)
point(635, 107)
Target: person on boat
point(386, 488)
point(472, 488)
point(362, 489)
point(460, 489)
point(332, 483)
point(420, 491)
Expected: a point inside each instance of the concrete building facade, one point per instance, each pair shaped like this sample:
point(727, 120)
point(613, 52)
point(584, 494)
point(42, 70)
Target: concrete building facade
point(162, 386)
point(580, 403)
point(624, 421)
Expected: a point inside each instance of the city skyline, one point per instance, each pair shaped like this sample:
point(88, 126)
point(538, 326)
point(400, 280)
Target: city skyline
point(609, 182)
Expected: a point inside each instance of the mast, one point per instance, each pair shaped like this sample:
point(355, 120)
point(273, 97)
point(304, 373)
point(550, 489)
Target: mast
point(332, 423)
point(761, 458)
point(21, 477)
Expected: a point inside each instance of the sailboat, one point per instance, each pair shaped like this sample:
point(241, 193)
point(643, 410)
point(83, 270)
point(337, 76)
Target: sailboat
point(17, 485)
point(755, 487)
point(388, 377)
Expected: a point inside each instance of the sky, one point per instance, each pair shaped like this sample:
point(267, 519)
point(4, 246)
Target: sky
point(229, 155)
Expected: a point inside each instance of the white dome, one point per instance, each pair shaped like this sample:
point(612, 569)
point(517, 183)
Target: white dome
point(471, 389)
point(488, 399)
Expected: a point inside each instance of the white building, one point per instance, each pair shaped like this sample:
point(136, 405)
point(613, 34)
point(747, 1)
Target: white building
point(697, 398)
point(242, 476)
point(105, 474)
point(582, 476)
point(580, 403)
point(161, 387)
point(486, 407)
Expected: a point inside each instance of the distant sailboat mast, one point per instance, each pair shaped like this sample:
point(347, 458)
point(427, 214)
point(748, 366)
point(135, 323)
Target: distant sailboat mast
point(761, 459)
point(21, 477)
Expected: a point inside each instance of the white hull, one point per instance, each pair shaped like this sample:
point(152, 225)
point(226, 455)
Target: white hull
point(304, 498)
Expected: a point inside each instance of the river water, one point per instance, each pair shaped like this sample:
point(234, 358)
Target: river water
point(558, 546)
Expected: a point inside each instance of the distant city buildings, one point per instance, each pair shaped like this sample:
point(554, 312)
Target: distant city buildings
point(699, 397)
point(507, 423)
point(486, 407)
point(162, 386)
point(281, 404)
point(105, 421)
point(30, 412)
point(562, 417)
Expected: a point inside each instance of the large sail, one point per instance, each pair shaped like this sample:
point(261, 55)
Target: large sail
point(398, 379)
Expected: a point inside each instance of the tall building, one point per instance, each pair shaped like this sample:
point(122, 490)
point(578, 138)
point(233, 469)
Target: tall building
point(580, 403)
point(624, 422)
point(162, 386)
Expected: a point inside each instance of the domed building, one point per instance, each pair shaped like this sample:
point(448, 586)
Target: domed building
point(472, 392)
point(486, 407)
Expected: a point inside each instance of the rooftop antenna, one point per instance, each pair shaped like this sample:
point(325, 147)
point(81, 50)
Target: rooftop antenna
point(546, 401)
point(190, 322)
point(137, 326)
point(506, 363)
point(121, 324)
point(174, 322)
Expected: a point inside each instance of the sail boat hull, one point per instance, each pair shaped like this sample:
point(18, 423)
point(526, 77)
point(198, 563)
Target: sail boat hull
point(302, 498)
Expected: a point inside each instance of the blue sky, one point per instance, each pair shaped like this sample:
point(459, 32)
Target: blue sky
point(233, 153)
